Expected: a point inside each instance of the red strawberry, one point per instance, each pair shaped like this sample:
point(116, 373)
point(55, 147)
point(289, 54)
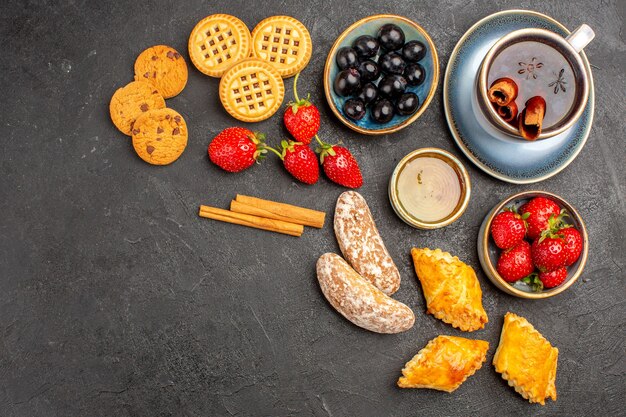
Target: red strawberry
point(339, 165)
point(235, 148)
point(302, 119)
point(573, 244)
point(548, 252)
point(515, 263)
point(540, 209)
point(553, 278)
point(508, 228)
point(299, 160)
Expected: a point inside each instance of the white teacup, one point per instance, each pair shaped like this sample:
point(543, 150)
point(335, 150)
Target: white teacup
point(542, 63)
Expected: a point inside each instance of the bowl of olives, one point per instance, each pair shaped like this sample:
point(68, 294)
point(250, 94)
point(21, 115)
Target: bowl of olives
point(381, 74)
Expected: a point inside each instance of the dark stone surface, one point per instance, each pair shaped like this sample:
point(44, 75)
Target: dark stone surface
point(117, 300)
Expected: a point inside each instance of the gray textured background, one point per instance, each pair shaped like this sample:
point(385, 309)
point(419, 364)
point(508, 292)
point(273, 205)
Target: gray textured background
point(117, 300)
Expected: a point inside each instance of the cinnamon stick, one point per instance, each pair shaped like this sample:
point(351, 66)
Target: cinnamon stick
point(531, 118)
point(502, 91)
point(508, 112)
point(278, 211)
point(256, 222)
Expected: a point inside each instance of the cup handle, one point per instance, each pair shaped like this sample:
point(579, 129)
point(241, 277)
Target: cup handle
point(581, 37)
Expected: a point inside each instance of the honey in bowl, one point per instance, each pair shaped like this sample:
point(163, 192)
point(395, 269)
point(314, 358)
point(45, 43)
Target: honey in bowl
point(429, 188)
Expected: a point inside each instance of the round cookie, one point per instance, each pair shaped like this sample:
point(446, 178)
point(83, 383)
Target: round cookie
point(164, 67)
point(160, 136)
point(252, 90)
point(132, 100)
point(217, 42)
point(283, 42)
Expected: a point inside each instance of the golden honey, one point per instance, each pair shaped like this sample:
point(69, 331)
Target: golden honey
point(429, 188)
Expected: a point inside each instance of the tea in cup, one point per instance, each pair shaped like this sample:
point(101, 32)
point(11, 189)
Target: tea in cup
point(533, 84)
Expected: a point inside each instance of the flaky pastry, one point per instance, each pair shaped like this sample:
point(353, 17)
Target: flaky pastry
point(444, 364)
point(526, 360)
point(451, 289)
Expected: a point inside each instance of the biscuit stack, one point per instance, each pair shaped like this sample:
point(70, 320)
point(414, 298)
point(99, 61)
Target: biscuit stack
point(138, 109)
point(251, 65)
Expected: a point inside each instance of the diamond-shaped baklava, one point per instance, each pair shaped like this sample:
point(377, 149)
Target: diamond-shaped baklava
point(444, 364)
point(451, 289)
point(526, 360)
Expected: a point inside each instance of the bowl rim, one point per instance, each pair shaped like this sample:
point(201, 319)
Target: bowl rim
point(425, 103)
point(466, 186)
point(491, 272)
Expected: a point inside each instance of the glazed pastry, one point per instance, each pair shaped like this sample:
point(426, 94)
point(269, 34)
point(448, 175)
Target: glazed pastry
point(526, 360)
point(358, 300)
point(444, 364)
point(451, 289)
point(362, 245)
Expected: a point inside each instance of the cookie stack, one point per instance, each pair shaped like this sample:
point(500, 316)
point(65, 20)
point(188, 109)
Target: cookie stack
point(251, 65)
point(138, 109)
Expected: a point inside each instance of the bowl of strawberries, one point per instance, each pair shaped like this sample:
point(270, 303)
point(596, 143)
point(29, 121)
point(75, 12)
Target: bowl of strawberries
point(533, 245)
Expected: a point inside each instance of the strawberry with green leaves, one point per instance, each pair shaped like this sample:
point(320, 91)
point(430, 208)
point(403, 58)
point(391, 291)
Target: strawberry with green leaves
point(548, 252)
point(539, 210)
point(302, 119)
point(508, 228)
point(299, 160)
point(573, 238)
point(538, 281)
point(515, 263)
point(339, 165)
point(236, 148)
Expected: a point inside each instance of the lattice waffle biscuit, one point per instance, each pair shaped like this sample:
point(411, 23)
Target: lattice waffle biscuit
point(283, 42)
point(217, 42)
point(252, 90)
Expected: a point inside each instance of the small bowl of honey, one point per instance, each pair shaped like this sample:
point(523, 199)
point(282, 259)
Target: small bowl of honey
point(429, 188)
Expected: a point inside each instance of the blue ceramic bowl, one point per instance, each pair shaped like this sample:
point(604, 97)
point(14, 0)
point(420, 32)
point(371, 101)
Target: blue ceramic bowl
point(425, 91)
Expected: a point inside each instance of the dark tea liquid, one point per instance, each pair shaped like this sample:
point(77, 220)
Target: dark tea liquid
point(538, 70)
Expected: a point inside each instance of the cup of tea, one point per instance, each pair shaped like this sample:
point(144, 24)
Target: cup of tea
point(532, 84)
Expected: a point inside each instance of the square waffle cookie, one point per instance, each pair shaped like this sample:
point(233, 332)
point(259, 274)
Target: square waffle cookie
point(217, 42)
point(284, 42)
point(252, 90)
